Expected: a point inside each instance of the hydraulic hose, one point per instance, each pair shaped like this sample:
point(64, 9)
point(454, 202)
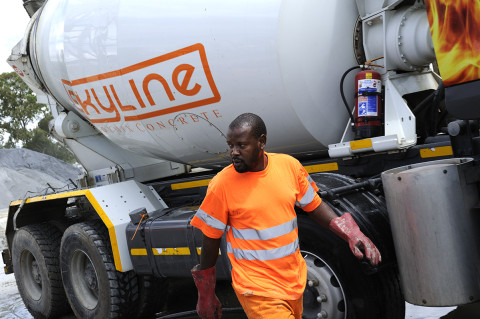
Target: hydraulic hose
point(332, 193)
point(434, 96)
point(349, 111)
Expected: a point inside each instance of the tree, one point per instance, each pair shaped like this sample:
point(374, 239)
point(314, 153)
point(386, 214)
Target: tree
point(19, 115)
point(19, 110)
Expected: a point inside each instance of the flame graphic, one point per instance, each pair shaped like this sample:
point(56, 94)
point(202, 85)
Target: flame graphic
point(455, 28)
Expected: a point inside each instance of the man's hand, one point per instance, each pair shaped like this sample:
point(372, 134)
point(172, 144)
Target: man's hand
point(208, 305)
point(345, 227)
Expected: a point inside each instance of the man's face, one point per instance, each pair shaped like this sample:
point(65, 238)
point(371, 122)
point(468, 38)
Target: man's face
point(246, 151)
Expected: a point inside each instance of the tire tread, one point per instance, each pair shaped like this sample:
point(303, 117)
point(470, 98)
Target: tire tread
point(48, 237)
point(123, 285)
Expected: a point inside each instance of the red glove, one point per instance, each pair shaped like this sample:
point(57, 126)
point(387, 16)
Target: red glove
point(345, 227)
point(208, 305)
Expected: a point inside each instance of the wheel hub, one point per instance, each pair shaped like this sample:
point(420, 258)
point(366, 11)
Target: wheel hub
point(91, 277)
point(84, 279)
point(323, 296)
point(36, 273)
point(31, 273)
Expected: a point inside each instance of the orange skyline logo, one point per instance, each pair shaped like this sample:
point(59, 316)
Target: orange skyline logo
point(169, 83)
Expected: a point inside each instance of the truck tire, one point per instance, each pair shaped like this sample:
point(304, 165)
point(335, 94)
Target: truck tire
point(94, 288)
point(371, 295)
point(152, 296)
point(337, 286)
point(35, 252)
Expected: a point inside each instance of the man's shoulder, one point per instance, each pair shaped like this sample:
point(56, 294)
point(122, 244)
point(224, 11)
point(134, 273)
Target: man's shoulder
point(224, 174)
point(227, 170)
point(283, 158)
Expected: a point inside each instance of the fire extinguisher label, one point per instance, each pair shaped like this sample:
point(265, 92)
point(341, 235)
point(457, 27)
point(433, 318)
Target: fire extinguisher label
point(369, 85)
point(367, 106)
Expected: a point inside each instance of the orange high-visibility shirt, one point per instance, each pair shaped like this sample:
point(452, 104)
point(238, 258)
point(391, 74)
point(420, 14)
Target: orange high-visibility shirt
point(256, 209)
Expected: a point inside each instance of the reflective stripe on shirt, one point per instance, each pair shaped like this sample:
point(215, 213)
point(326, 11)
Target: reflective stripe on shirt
point(264, 234)
point(309, 179)
point(263, 254)
point(210, 221)
point(307, 198)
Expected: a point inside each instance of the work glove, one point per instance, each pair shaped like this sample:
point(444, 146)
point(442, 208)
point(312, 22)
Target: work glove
point(208, 305)
point(345, 227)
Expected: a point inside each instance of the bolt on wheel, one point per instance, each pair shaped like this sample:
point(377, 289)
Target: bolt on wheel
point(324, 296)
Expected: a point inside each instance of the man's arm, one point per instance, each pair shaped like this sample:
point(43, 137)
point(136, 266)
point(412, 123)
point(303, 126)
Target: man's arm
point(323, 214)
point(209, 253)
point(346, 228)
point(208, 305)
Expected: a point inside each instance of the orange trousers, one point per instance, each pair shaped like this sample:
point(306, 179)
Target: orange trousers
point(259, 307)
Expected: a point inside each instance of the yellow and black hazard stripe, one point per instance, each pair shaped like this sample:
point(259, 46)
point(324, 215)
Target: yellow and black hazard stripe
point(166, 251)
point(95, 204)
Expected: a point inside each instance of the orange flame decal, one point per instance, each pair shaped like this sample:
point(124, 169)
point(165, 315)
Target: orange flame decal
point(455, 28)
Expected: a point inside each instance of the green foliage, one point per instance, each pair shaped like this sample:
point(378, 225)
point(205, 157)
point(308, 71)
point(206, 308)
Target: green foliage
point(19, 115)
point(19, 110)
point(40, 142)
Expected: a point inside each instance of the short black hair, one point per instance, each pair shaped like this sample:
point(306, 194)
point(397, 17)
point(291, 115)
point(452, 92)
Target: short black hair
point(252, 120)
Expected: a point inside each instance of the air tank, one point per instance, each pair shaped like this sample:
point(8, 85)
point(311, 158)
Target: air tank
point(165, 78)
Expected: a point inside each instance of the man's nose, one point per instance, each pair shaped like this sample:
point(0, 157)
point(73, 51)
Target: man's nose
point(235, 151)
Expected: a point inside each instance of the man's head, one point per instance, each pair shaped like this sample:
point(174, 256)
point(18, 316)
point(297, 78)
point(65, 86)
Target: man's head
point(246, 139)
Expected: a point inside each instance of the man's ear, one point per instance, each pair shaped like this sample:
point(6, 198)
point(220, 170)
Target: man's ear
point(263, 141)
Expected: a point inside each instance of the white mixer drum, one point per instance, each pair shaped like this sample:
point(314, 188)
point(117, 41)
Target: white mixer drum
point(165, 78)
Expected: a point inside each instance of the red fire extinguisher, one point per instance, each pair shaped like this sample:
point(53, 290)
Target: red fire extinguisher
point(368, 104)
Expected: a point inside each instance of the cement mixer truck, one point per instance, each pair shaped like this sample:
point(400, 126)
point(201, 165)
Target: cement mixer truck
point(377, 99)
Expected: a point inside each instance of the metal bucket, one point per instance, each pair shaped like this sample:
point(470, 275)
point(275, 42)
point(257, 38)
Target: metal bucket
point(436, 229)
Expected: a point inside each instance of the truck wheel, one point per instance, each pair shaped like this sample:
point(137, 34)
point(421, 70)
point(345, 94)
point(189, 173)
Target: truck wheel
point(337, 287)
point(152, 296)
point(94, 288)
point(35, 252)
point(324, 296)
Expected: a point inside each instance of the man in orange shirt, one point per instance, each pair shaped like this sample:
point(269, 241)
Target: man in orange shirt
point(252, 200)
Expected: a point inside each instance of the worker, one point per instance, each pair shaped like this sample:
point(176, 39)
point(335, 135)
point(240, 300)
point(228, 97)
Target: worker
point(252, 200)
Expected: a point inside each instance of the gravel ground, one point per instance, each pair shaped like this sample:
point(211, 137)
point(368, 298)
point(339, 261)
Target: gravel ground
point(28, 173)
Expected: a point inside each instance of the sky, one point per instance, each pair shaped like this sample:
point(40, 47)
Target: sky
point(13, 22)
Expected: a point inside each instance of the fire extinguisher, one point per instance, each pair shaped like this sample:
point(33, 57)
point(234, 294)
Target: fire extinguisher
point(368, 104)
